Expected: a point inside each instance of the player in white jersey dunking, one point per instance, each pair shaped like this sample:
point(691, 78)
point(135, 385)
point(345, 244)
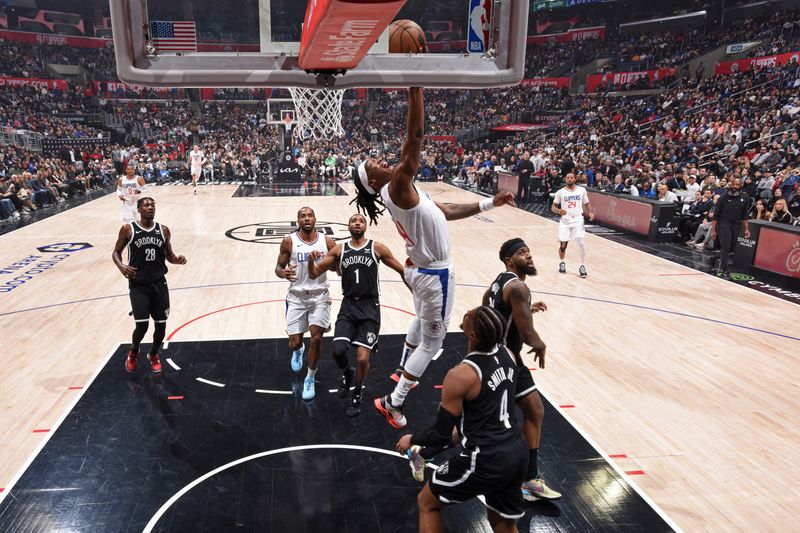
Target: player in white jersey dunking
point(571, 202)
point(308, 302)
point(129, 189)
point(429, 270)
point(196, 161)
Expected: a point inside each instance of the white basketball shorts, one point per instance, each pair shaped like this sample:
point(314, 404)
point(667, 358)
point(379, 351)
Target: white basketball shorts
point(434, 292)
point(570, 233)
point(303, 311)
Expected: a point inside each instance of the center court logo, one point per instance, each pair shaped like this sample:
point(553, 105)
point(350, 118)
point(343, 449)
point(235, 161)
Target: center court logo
point(274, 232)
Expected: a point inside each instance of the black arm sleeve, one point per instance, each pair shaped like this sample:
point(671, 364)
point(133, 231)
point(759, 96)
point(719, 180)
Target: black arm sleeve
point(440, 433)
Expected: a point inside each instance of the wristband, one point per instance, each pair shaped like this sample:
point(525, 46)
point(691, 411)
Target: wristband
point(486, 204)
point(440, 433)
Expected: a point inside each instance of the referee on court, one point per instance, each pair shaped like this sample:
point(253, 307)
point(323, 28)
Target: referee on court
point(729, 214)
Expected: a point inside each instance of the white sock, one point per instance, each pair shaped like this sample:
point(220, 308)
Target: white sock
point(311, 373)
point(401, 391)
point(581, 249)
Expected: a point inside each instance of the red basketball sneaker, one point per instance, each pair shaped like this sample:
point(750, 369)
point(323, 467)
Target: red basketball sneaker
point(155, 363)
point(130, 362)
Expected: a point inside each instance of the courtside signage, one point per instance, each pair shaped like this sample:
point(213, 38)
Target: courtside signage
point(26, 269)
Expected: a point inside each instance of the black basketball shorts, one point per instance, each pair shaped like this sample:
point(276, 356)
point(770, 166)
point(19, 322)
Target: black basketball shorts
point(358, 322)
point(150, 300)
point(496, 472)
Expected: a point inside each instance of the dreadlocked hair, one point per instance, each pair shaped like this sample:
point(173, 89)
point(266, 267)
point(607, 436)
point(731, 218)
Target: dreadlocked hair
point(490, 327)
point(368, 204)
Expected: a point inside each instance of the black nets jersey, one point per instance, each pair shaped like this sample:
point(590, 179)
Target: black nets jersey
point(147, 253)
point(497, 302)
point(359, 268)
point(491, 417)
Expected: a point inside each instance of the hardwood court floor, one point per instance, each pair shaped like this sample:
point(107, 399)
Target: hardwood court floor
point(688, 379)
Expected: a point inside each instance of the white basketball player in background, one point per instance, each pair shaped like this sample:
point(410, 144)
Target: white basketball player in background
point(571, 202)
point(196, 161)
point(129, 189)
point(308, 302)
point(429, 270)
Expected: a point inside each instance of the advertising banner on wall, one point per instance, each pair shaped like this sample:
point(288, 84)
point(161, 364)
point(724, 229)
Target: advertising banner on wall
point(741, 65)
point(37, 82)
point(577, 34)
point(615, 80)
point(778, 251)
point(561, 83)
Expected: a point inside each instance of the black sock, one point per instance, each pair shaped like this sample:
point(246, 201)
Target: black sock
point(533, 467)
point(138, 334)
point(357, 390)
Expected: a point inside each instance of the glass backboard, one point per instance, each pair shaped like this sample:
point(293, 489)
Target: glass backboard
point(255, 43)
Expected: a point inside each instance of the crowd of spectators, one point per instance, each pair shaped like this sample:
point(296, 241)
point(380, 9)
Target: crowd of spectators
point(720, 128)
point(36, 109)
point(697, 137)
point(31, 181)
point(778, 31)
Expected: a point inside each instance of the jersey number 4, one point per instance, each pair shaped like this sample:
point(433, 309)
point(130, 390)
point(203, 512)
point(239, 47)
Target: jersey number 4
point(504, 416)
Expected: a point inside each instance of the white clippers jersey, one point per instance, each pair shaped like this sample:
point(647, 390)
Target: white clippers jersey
point(128, 189)
point(196, 157)
point(572, 202)
point(424, 229)
point(299, 260)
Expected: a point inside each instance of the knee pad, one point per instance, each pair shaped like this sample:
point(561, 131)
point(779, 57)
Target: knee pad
point(422, 356)
point(160, 327)
point(340, 348)
point(436, 329)
point(141, 328)
point(414, 335)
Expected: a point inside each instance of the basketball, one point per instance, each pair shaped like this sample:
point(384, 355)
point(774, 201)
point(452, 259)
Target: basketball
point(406, 37)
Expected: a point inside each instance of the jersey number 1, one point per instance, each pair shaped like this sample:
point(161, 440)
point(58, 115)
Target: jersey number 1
point(356, 276)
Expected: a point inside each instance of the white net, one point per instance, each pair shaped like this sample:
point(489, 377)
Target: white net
point(319, 112)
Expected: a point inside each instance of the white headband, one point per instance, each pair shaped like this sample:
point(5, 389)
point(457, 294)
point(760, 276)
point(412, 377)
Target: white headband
point(362, 176)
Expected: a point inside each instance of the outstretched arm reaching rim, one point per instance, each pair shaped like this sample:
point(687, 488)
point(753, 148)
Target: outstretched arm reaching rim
point(401, 188)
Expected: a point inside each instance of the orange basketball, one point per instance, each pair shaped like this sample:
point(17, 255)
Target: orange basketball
point(406, 37)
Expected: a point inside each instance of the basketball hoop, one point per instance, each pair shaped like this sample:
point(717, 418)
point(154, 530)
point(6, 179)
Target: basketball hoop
point(318, 111)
